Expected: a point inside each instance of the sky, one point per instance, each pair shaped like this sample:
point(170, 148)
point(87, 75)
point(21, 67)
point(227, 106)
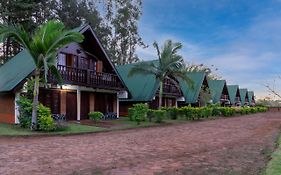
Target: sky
point(241, 38)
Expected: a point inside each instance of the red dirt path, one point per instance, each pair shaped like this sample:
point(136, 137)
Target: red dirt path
point(235, 145)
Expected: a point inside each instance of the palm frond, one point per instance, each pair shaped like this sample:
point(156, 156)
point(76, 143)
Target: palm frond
point(143, 68)
point(56, 73)
point(182, 74)
point(16, 33)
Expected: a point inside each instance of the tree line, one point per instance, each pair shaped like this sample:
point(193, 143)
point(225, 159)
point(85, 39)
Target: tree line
point(114, 21)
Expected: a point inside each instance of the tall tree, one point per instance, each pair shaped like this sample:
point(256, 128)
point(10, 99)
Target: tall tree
point(171, 64)
point(28, 13)
point(125, 32)
point(114, 21)
point(42, 46)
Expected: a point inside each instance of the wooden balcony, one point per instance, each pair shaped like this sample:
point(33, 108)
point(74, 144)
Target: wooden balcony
point(224, 97)
point(237, 99)
point(84, 77)
point(171, 89)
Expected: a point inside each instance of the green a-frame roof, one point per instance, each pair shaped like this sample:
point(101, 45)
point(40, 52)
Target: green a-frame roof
point(216, 88)
point(250, 96)
point(191, 92)
point(141, 87)
point(243, 95)
point(232, 91)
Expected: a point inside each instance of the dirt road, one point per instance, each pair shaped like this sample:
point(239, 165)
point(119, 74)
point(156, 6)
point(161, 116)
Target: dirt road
point(237, 145)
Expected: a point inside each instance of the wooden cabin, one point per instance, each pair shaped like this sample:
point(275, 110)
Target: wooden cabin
point(193, 94)
point(244, 97)
point(234, 95)
point(145, 89)
point(90, 81)
point(219, 92)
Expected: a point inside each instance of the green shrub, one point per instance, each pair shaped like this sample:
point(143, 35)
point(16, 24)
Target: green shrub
point(150, 115)
point(138, 112)
point(159, 115)
point(227, 111)
point(44, 120)
point(172, 113)
point(215, 109)
point(95, 115)
point(25, 112)
point(188, 112)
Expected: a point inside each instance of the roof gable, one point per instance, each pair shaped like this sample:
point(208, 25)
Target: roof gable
point(21, 65)
point(142, 88)
point(243, 94)
point(15, 70)
point(191, 94)
point(232, 91)
point(216, 89)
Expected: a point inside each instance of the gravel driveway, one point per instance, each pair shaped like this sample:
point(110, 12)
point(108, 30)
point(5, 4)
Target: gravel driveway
point(237, 145)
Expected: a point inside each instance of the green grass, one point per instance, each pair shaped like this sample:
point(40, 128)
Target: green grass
point(15, 130)
point(75, 128)
point(274, 165)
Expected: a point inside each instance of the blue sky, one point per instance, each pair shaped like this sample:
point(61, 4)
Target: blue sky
point(242, 38)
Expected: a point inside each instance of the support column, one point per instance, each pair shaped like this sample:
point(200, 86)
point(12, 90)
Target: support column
point(78, 103)
point(17, 97)
point(117, 103)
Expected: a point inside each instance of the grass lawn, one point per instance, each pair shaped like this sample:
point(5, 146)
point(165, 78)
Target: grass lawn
point(274, 165)
point(15, 130)
point(75, 128)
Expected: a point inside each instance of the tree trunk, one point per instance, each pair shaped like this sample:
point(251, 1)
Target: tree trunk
point(35, 100)
point(160, 94)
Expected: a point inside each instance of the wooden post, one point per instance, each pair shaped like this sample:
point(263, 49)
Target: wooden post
point(78, 103)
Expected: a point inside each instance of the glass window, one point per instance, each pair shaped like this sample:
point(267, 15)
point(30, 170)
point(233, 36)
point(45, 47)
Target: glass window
point(62, 59)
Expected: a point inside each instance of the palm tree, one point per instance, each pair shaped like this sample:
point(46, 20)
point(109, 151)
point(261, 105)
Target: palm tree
point(42, 45)
point(170, 65)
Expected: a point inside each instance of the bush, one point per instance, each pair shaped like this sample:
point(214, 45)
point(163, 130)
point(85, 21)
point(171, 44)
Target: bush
point(95, 115)
point(44, 120)
point(25, 111)
point(138, 112)
point(172, 113)
point(227, 111)
point(159, 115)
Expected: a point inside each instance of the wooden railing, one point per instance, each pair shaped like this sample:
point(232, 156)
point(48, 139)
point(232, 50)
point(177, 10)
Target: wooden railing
point(171, 89)
point(237, 99)
point(224, 97)
point(86, 77)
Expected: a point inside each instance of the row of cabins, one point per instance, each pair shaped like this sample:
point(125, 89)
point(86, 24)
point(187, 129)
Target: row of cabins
point(93, 83)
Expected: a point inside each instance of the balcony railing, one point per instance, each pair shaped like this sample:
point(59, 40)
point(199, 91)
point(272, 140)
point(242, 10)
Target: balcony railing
point(171, 89)
point(224, 97)
point(86, 77)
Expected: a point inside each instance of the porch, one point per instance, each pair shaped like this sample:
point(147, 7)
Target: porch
point(76, 103)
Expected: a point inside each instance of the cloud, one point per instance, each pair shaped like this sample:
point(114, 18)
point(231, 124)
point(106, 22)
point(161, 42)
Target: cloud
point(248, 54)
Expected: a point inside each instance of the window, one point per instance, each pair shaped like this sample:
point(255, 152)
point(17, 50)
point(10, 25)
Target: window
point(62, 59)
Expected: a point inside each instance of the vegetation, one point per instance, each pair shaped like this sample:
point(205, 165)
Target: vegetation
point(189, 113)
point(273, 167)
point(169, 64)
point(95, 115)
point(115, 22)
point(138, 112)
point(42, 46)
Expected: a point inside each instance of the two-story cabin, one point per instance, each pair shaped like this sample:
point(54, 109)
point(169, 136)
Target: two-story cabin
point(234, 95)
point(90, 81)
point(145, 89)
point(219, 92)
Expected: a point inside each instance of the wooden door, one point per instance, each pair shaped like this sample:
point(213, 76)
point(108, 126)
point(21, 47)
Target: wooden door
point(85, 105)
point(71, 106)
point(51, 99)
point(104, 102)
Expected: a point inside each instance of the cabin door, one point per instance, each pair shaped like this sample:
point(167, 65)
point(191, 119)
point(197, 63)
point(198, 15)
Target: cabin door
point(71, 106)
point(85, 105)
